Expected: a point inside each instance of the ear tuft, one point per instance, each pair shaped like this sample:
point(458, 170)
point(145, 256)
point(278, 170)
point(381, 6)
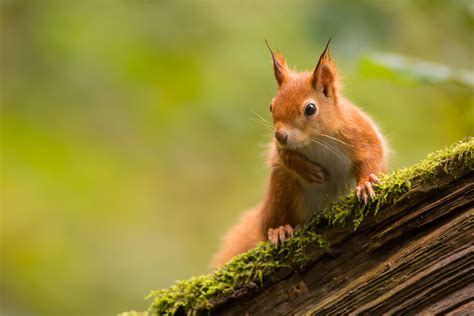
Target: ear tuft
point(279, 66)
point(324, 75)
point(326, 79)
point(325, 56)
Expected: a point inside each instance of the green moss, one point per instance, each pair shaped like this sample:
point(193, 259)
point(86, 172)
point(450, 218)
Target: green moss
point(134, 313)
point(256, 266)
point(454, 160)
point(247, 270)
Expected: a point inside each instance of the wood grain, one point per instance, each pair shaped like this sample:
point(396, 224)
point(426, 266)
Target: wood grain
point(416, 257)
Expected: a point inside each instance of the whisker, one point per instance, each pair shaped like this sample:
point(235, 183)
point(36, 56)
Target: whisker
point(331, 149)
point(262, 122)
point(267, 127)
point(336, 139)
point(261, 117)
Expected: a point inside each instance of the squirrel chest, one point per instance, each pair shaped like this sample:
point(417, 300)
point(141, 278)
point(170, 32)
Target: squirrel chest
point(334, 157)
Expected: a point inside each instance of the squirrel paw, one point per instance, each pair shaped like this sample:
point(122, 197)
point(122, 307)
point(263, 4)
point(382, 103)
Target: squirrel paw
point(309, 171)
point(277, 236)
point(364, 190)
point(314, 172)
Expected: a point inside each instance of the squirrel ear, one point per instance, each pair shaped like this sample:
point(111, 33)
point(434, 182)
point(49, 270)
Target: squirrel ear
point(279, 66)
point(324, 75)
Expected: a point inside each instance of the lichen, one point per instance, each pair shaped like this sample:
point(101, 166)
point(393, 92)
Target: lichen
point(254, 267)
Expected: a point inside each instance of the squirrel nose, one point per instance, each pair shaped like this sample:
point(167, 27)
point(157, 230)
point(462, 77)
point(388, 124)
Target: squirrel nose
point(281, 137)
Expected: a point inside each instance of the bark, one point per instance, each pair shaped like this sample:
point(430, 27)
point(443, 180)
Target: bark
point(414, 257)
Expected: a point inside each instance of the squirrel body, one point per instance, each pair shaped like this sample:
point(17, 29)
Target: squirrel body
point(324, 146)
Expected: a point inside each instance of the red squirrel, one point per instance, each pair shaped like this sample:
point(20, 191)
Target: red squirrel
point(323, 147)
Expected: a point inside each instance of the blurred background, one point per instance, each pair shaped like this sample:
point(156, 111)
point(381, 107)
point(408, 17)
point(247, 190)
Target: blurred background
point(130, 131)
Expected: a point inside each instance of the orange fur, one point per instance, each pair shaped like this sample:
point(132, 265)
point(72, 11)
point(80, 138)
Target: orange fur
point(245, 235)
point(323, 154)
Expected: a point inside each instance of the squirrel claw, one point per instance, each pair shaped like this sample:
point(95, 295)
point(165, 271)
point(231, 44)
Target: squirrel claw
point(365, 190)
point(374, 179)
point(277, 236)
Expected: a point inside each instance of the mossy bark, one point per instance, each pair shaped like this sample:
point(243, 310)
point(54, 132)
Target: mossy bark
point(407, 251)
point(407, 260)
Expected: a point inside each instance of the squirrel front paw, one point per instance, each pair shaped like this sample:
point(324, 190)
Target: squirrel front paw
point(364, 190)
point(309, 171)
point(315, 173)
point(277, 236)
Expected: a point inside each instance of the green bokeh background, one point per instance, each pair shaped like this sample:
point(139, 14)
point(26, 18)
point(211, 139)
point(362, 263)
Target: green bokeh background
point(130, 138)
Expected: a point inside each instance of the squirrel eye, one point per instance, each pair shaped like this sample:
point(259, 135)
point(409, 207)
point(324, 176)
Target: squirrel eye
point(310, 109)
point(270, 107)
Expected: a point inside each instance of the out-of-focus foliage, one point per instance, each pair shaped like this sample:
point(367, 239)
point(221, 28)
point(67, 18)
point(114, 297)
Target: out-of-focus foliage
point(129, 138)
point(391, 66)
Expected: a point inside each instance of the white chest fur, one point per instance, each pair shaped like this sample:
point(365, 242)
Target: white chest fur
point(334, 157)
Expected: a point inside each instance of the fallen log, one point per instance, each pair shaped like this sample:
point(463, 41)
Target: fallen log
point(408, 251)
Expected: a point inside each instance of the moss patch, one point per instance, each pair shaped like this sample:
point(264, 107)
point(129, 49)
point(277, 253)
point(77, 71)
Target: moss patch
point(252, 268)
point(246, 270)
point(454, 160)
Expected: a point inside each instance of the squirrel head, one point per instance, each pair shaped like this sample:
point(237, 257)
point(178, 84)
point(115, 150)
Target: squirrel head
point(306, 103)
